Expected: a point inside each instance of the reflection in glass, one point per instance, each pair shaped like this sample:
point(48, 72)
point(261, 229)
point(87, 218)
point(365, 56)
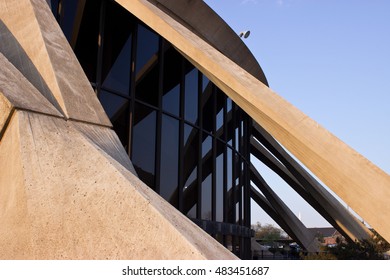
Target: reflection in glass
point(208, 111)
point(191, 96)
point(229, 169)
point(54, 8)
point(237, 139)
point(205, 83)
point(206, 145)
point(190, 166)
point(219, 173)
point(147, 66)
point(117, 109)
point(69, 13)
point(169, 159)
point(86, 48)
point(117, 48)
point(228, 104)
point(171, 101)
point(219, 119)
point(206, 198)
point(190, 150)
point(144, 142)
point(238, 212)
point(147, 49)
point(192, 213)
point(171, 82)
point(118, 77)
point(190, 194)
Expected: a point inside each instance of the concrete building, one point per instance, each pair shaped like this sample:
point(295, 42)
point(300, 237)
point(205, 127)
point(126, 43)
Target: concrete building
point(126, 132)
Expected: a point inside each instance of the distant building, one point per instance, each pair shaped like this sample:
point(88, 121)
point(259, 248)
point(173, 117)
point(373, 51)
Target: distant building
point(328, 236)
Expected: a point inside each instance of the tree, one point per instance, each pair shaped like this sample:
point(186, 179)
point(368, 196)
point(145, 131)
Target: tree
point(268, 232)
point(372, 248)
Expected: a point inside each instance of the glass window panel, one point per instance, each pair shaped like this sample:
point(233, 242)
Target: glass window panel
point(237, 171)
point(206, 145)
point(206, 198)
point(242, 205)
point(219, 122)
point(189, 133)
point(147, 49)
point(238, 212)
point(172, 80)
point(86, 48)
point(190, 194)
point(112, 104)
point(144, 142)
point(207, 170)
point(169, 159)
point(208, 109)
point(219, 173)
point(171, 101)
point(219, 119)
point(229, 168)
point(192, 213)
point(207, 104)
point(147, 66)
point(237, 140)
point(147, 87)
point(118, 77)
point(190, 169)
point(191, 96)
point(118, 31)
point(54, 8)
point(230, 126)
point(205, 84)
point(229, 104)
point(229, 243)
point(230, 200)
point(190, 150)
point(117, 109)
point(219, 238)
point(69, 13)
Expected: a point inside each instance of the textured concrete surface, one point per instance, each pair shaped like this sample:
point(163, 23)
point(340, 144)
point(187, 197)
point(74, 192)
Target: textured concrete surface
point(306, 186)
point(20, 93)
point(213, 30)
point(34, 43)
point(106, 139)
point(63, 198)
point(67, 188)
point(361, 184)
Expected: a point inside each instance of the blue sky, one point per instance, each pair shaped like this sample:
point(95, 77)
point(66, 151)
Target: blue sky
point(331, 59)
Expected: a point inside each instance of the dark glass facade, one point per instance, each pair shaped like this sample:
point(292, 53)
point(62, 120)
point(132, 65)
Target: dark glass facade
point(187, 140)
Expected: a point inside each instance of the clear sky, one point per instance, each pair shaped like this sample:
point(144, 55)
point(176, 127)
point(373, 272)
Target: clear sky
point(331, 59)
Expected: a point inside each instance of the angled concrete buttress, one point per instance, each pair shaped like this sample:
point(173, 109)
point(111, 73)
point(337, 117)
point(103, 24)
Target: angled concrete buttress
point(305, 185)
point(361, 184)
point(67, 187)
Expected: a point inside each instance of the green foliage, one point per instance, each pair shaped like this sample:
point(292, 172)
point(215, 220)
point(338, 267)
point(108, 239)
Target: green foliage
point(268, 232)
point(366, 249)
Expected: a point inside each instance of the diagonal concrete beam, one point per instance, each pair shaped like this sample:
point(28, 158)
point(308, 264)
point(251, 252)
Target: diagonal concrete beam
point(310, 189)
point(16, 92)
point(290, 221)
point(35, 44)
point(361, 184)
point(63, 197)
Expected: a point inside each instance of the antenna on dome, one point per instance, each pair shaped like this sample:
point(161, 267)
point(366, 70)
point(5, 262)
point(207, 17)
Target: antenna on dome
point(245, 34)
